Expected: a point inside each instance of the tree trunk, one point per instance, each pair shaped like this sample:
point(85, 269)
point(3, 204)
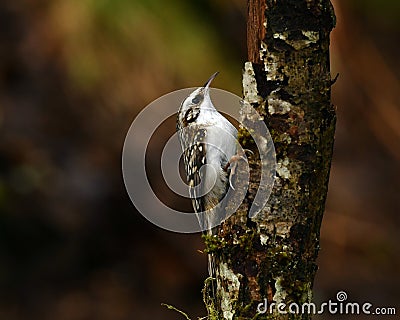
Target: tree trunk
point(287, 80)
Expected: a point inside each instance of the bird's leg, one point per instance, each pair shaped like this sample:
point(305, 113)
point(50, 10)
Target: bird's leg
point(233, 163)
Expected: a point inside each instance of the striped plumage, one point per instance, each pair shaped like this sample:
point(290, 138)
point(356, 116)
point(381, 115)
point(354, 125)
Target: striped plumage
point(207, 138)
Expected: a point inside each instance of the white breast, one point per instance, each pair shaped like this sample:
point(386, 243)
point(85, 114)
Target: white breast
point(221, 140)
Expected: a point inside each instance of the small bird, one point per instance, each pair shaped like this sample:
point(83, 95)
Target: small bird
point(209, 142)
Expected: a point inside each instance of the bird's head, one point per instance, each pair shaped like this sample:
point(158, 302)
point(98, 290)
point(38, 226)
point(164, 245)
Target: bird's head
point(198, 100)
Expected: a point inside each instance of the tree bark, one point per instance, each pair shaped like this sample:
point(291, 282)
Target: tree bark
point(287, 80)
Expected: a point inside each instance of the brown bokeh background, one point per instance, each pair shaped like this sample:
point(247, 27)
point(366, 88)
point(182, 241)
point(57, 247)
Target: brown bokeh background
point(73, 75)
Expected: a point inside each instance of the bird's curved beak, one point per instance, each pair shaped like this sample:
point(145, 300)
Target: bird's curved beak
point(207, 84)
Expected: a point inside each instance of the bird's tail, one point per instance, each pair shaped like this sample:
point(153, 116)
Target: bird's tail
point(211, 266)
point(213, 275)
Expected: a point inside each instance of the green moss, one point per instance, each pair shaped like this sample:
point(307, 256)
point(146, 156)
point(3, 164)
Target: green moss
point(209, 301)
point(244, 242)
point(280, 260)
point(245, 139)
point(213, 243)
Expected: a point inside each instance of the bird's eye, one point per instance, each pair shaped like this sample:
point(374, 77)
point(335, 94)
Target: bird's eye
point(196, 99)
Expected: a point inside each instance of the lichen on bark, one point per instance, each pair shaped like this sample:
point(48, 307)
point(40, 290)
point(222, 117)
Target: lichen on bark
point(287, 80)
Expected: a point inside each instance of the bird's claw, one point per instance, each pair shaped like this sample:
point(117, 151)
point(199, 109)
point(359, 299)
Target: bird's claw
point(241, 155)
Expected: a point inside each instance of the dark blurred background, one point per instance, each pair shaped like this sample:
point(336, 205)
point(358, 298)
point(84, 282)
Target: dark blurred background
point(73, 75)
